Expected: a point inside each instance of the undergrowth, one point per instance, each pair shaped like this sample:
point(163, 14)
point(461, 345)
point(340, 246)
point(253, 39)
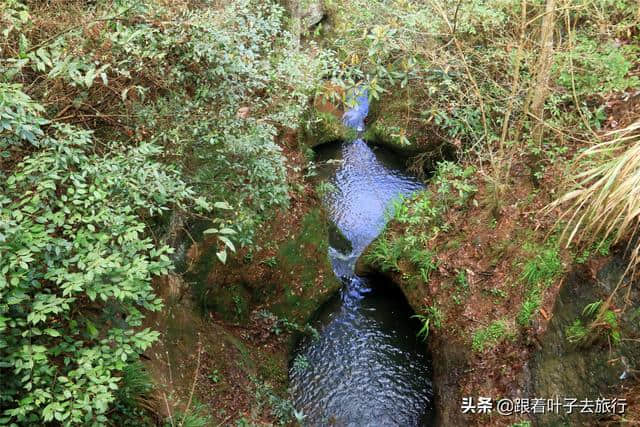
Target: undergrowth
point(112, 115)
point(491, 335)
point(421, 217)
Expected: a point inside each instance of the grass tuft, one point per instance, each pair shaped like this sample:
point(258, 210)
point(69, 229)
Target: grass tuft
point(491, 335)
point(606, 200)
point(385, 254)
point(529, 306)
point(543, 267)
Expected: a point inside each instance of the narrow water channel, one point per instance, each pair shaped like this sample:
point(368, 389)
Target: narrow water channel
point(366, 367)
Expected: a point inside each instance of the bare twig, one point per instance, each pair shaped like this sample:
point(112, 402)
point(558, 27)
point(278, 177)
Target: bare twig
point(78, 26)
point(195, 379)
point(455, 17)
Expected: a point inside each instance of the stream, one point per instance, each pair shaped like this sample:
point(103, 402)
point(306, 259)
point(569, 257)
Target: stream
point(366, 367)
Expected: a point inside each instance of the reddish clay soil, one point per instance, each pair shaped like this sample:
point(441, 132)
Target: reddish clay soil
point(492, 254)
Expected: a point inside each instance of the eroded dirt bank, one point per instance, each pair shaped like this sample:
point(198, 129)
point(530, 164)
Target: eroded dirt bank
point(502, 296)
point(226, 330)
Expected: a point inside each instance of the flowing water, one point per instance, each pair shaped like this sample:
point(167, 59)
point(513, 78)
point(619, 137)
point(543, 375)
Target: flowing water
point(366, 368)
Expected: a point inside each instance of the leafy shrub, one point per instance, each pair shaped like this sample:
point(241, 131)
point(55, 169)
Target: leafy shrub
point(248, 164)
point(451, 187)
point(74, 254)
point(452, 183)
point(180, 76)
point(20, 118)
point(405, 50)
point(423, 215)
point(280, 408)
point(594, 67)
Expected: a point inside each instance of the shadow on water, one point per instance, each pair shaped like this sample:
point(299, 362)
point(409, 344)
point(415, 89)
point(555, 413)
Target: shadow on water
point(366, 367)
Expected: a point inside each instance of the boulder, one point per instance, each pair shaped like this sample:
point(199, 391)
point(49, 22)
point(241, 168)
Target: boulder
point(312, 14)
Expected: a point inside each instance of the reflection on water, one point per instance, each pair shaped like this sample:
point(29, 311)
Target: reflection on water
point(367, 368)
point(365, 185)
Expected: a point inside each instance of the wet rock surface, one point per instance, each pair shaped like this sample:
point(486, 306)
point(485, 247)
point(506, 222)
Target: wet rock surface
point(594, 369)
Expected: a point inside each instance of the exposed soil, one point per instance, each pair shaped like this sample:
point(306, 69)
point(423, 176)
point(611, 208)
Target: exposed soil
point(224, 343)
point(217, 336)
point(490, 244)
point(491, 254)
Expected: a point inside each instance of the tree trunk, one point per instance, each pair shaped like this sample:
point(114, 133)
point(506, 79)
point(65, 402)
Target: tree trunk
point(540, 91)
point(545, 62)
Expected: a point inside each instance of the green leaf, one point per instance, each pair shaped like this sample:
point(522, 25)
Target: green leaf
point(222, 256)
point(227, 242)
point(52, 332)
point(91, 329)
point(89, 77)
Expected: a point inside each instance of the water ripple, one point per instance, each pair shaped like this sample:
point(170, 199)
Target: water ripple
point(367, 368)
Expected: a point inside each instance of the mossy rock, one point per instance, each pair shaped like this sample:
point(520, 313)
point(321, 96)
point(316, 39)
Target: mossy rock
point(596, 368)
point(387, 127)
point(389, 136)
point(232, 302)
point(306, 257)
point(338, 240)
point(292, 282)
point(326, 127)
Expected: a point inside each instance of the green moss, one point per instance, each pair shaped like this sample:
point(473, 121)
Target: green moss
point(387, 126)
point(325, 127)
point(306, 256)
point(247, 359)
point(232, 302)
point(298, 262)
point(391, 137)
point(313, 233)
point(273, 369)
